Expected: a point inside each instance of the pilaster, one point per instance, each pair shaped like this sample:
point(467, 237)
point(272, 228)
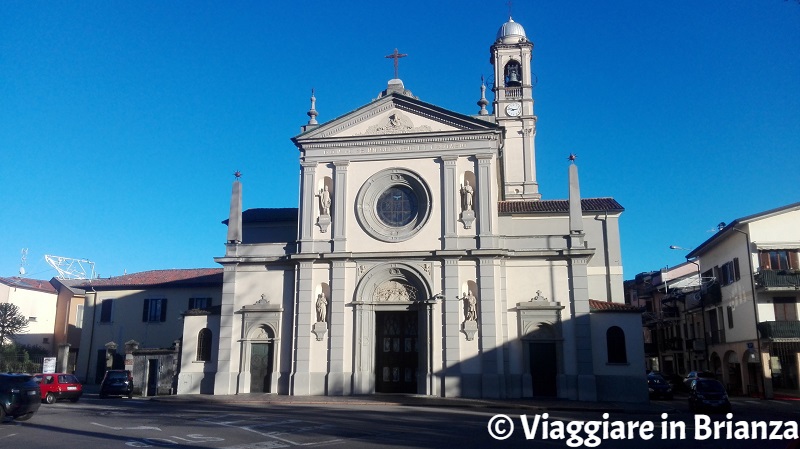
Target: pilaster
point(225, 379)
point(530, 188)
point(582, 330)
point(452, 335)
point(486, 237)
point(304, 317)
point(338, 381)
point(491, 350)
point(449, 174)
point(340, 209)
point(307, 196)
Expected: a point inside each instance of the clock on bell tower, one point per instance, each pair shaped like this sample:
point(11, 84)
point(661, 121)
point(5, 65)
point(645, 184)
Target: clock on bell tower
point(511, 56)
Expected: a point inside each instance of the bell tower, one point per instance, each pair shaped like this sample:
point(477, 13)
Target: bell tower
point(511, 56)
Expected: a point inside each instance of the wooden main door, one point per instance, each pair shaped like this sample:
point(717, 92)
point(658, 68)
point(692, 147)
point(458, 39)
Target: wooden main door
point(397, 354)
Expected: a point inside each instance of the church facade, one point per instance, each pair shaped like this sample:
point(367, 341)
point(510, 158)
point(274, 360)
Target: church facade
point(422, 259)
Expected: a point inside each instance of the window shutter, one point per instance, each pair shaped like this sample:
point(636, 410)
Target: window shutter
point(145, 310)
point(737, 275)
point(794, 260)
point(763, 260)
point(164, 310)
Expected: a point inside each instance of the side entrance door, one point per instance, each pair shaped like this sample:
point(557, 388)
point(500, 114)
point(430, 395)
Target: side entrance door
point(260, 367)
point(397, 355)
point(543, 369)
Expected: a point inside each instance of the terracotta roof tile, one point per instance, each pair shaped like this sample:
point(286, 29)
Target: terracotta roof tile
point(29, 284)
point(558, 206)
point(165, 278)
point(603, 306)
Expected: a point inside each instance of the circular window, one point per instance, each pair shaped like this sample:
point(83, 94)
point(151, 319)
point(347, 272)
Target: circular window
point(397, 206)
point(393, 205)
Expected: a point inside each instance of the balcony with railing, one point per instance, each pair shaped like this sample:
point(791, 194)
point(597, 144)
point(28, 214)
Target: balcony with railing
point(780, 331)
point(513, 93)
point(771, 280)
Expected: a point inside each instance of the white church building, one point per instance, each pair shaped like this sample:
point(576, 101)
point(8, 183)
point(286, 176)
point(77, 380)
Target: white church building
point(422, 259)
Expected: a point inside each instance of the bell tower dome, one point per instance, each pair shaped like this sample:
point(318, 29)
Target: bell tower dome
point(511, 56)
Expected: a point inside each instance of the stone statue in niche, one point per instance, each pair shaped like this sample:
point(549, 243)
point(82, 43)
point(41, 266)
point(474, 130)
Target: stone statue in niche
point(324, 219)
point(322, 308)
point(467, 204)
point(325, 201)
point(470, 326)
point(466, 196)
point(471, 306)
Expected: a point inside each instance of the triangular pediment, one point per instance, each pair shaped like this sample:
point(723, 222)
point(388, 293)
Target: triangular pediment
point(395, 115)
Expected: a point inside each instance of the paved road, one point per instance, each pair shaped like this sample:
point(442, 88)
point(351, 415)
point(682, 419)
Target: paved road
point(120, 423)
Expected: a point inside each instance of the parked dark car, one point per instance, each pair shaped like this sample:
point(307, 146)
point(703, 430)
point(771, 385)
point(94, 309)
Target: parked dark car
point(20, 396)
point(708, 395)
point(694, 375)
point(117, 382)
point(57, 386)
point(658, 386)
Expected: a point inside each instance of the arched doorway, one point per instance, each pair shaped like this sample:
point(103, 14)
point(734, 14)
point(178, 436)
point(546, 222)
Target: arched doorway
point(733, 373)
point(542, 355)
point(393, 309)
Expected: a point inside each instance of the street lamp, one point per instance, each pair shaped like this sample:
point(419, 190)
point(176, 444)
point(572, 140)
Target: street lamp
point(755, 310)
point(702, 303)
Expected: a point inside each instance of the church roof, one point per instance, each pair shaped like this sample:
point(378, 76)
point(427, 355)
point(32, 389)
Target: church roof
point(603, 306)
point(162, 278)
point(28, 284)
point(268, 215)
point(400, 101)
point(558, 206)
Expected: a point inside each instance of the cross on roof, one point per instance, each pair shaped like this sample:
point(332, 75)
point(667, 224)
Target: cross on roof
point(396, 55)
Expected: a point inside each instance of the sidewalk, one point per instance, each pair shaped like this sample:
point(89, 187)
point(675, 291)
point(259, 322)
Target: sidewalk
point(532, 405)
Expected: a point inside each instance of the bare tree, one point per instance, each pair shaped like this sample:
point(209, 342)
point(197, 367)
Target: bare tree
point(11, 322)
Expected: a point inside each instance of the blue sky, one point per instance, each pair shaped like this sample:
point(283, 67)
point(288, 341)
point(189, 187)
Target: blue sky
point(121, 123)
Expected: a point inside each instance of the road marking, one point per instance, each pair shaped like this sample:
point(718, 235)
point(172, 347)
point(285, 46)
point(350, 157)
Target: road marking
point(9, 435)
point(127, 428)
point(262, 445)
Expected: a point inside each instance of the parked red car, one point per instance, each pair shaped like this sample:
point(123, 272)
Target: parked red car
point(57, 386)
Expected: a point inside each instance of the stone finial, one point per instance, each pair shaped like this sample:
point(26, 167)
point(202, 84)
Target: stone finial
point(312, 113)
point(575, 212)
point(483, 101)
point(235, 214)
point(539, 296)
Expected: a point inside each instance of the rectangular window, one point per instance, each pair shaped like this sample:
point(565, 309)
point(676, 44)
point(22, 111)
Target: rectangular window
point(79, 316)
point(154, 310)
point(779, 259)
point(31, 319)
point(199, 303)
point(105, 310)
point(730, 317)
point(729, 272)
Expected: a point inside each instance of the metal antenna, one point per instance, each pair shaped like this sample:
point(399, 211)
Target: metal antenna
point(69, 268)
point(23, 261)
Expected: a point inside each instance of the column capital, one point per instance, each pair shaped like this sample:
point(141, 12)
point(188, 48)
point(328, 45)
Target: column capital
point(484, 158)
point(449, 160)
point(341, 165)
point(312, 165)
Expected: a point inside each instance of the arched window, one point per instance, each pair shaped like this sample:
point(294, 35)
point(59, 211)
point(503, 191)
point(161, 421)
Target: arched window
point(513, 74)
point(615, 345)
point(204, 345)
